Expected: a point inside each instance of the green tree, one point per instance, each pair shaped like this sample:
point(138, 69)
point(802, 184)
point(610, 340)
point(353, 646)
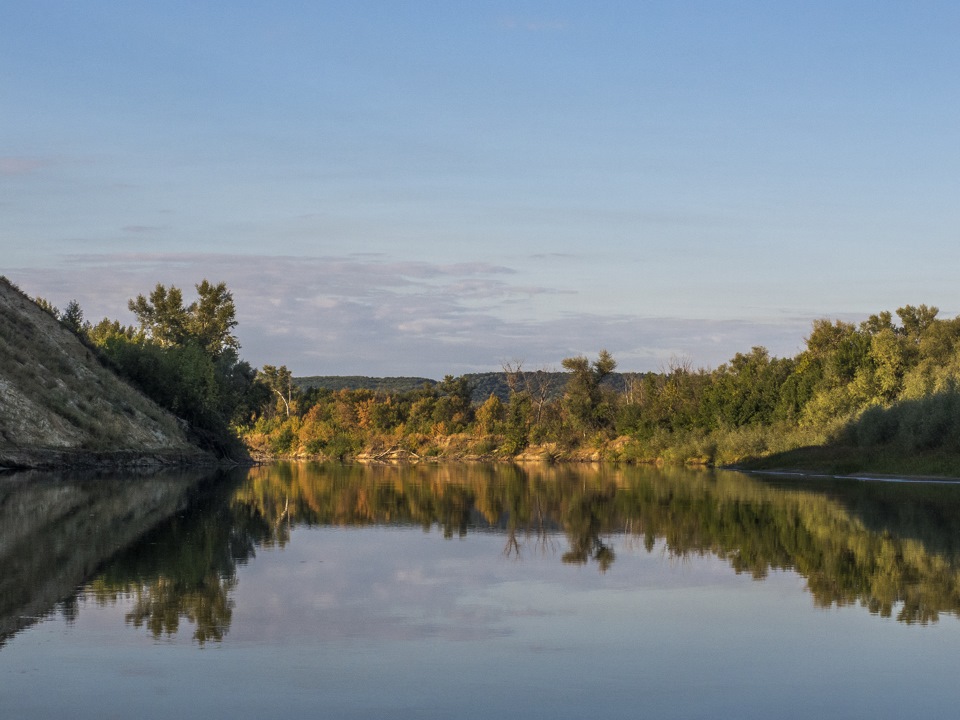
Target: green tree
point(162, 316)
point(107, 332)
point(280, 382)
point(185, 359)
point(47, 306)
point(877, 323)
point(72, 318)
point(916, 320)
point(583, 398)
point(746, 390)
point(889, 362)
point(517, 422)
point(212, 318)
point(490, 415)
point(208, 321)
point(453, 408)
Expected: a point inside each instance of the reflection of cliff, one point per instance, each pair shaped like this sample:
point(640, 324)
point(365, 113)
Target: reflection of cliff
point(55, 532)
point(882, 545)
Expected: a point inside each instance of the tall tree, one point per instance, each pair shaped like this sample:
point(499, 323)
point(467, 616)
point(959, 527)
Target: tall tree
point(583, 397)
point(185, 358)
point(916, 320)
point(280, 381)
point(208, 321)
point(212, 318)
point(162, 316)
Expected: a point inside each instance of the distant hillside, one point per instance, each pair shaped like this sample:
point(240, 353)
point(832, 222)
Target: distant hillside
point(483, 384)
point(360, 382)
point(552, 383)
point(60, 406)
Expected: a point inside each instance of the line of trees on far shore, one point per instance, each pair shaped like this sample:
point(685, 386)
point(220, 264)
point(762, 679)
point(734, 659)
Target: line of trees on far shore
point(889, 381)
point(883, 382)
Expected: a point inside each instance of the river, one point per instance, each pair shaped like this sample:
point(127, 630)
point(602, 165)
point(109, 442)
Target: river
point(468, 591)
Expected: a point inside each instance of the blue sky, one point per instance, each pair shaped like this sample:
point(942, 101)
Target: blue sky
point(437, 187)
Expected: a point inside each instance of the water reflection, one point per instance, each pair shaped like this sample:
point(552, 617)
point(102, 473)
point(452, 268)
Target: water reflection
point(56, 532)
point(883, 545)
point(169, 547)
point(187, 567)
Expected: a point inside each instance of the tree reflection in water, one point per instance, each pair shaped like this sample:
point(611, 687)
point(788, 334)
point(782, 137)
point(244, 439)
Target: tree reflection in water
point(186, 568)
point(884, 546)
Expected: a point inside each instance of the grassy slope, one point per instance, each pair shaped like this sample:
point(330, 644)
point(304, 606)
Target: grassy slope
point(59, 405)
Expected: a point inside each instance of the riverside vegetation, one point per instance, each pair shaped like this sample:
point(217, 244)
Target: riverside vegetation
point(882, 395)
point(879, 396)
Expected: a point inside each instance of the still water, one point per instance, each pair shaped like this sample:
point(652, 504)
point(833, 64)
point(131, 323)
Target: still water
point(476, 591)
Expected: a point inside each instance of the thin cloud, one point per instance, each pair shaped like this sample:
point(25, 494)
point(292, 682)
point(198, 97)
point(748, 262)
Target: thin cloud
point(13, 165)
point(325, 307)
point(21, 165)
point(555, 256)
point(349, 315)
point(143, 229)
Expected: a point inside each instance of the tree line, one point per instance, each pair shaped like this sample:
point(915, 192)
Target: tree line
point(891, 381)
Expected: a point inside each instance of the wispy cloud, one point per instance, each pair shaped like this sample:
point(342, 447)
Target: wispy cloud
point(554, 256)
point(21, 165)
point(143, 229)
point(379, 316)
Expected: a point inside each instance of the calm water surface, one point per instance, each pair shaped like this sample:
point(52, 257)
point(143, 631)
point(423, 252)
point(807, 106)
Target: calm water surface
point(472, 591)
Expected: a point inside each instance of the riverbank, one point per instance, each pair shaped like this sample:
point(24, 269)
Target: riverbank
point(825, 461)
point(57, 459)
point(849, 461)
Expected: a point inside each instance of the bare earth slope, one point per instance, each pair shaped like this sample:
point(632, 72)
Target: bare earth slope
point(60, 406)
